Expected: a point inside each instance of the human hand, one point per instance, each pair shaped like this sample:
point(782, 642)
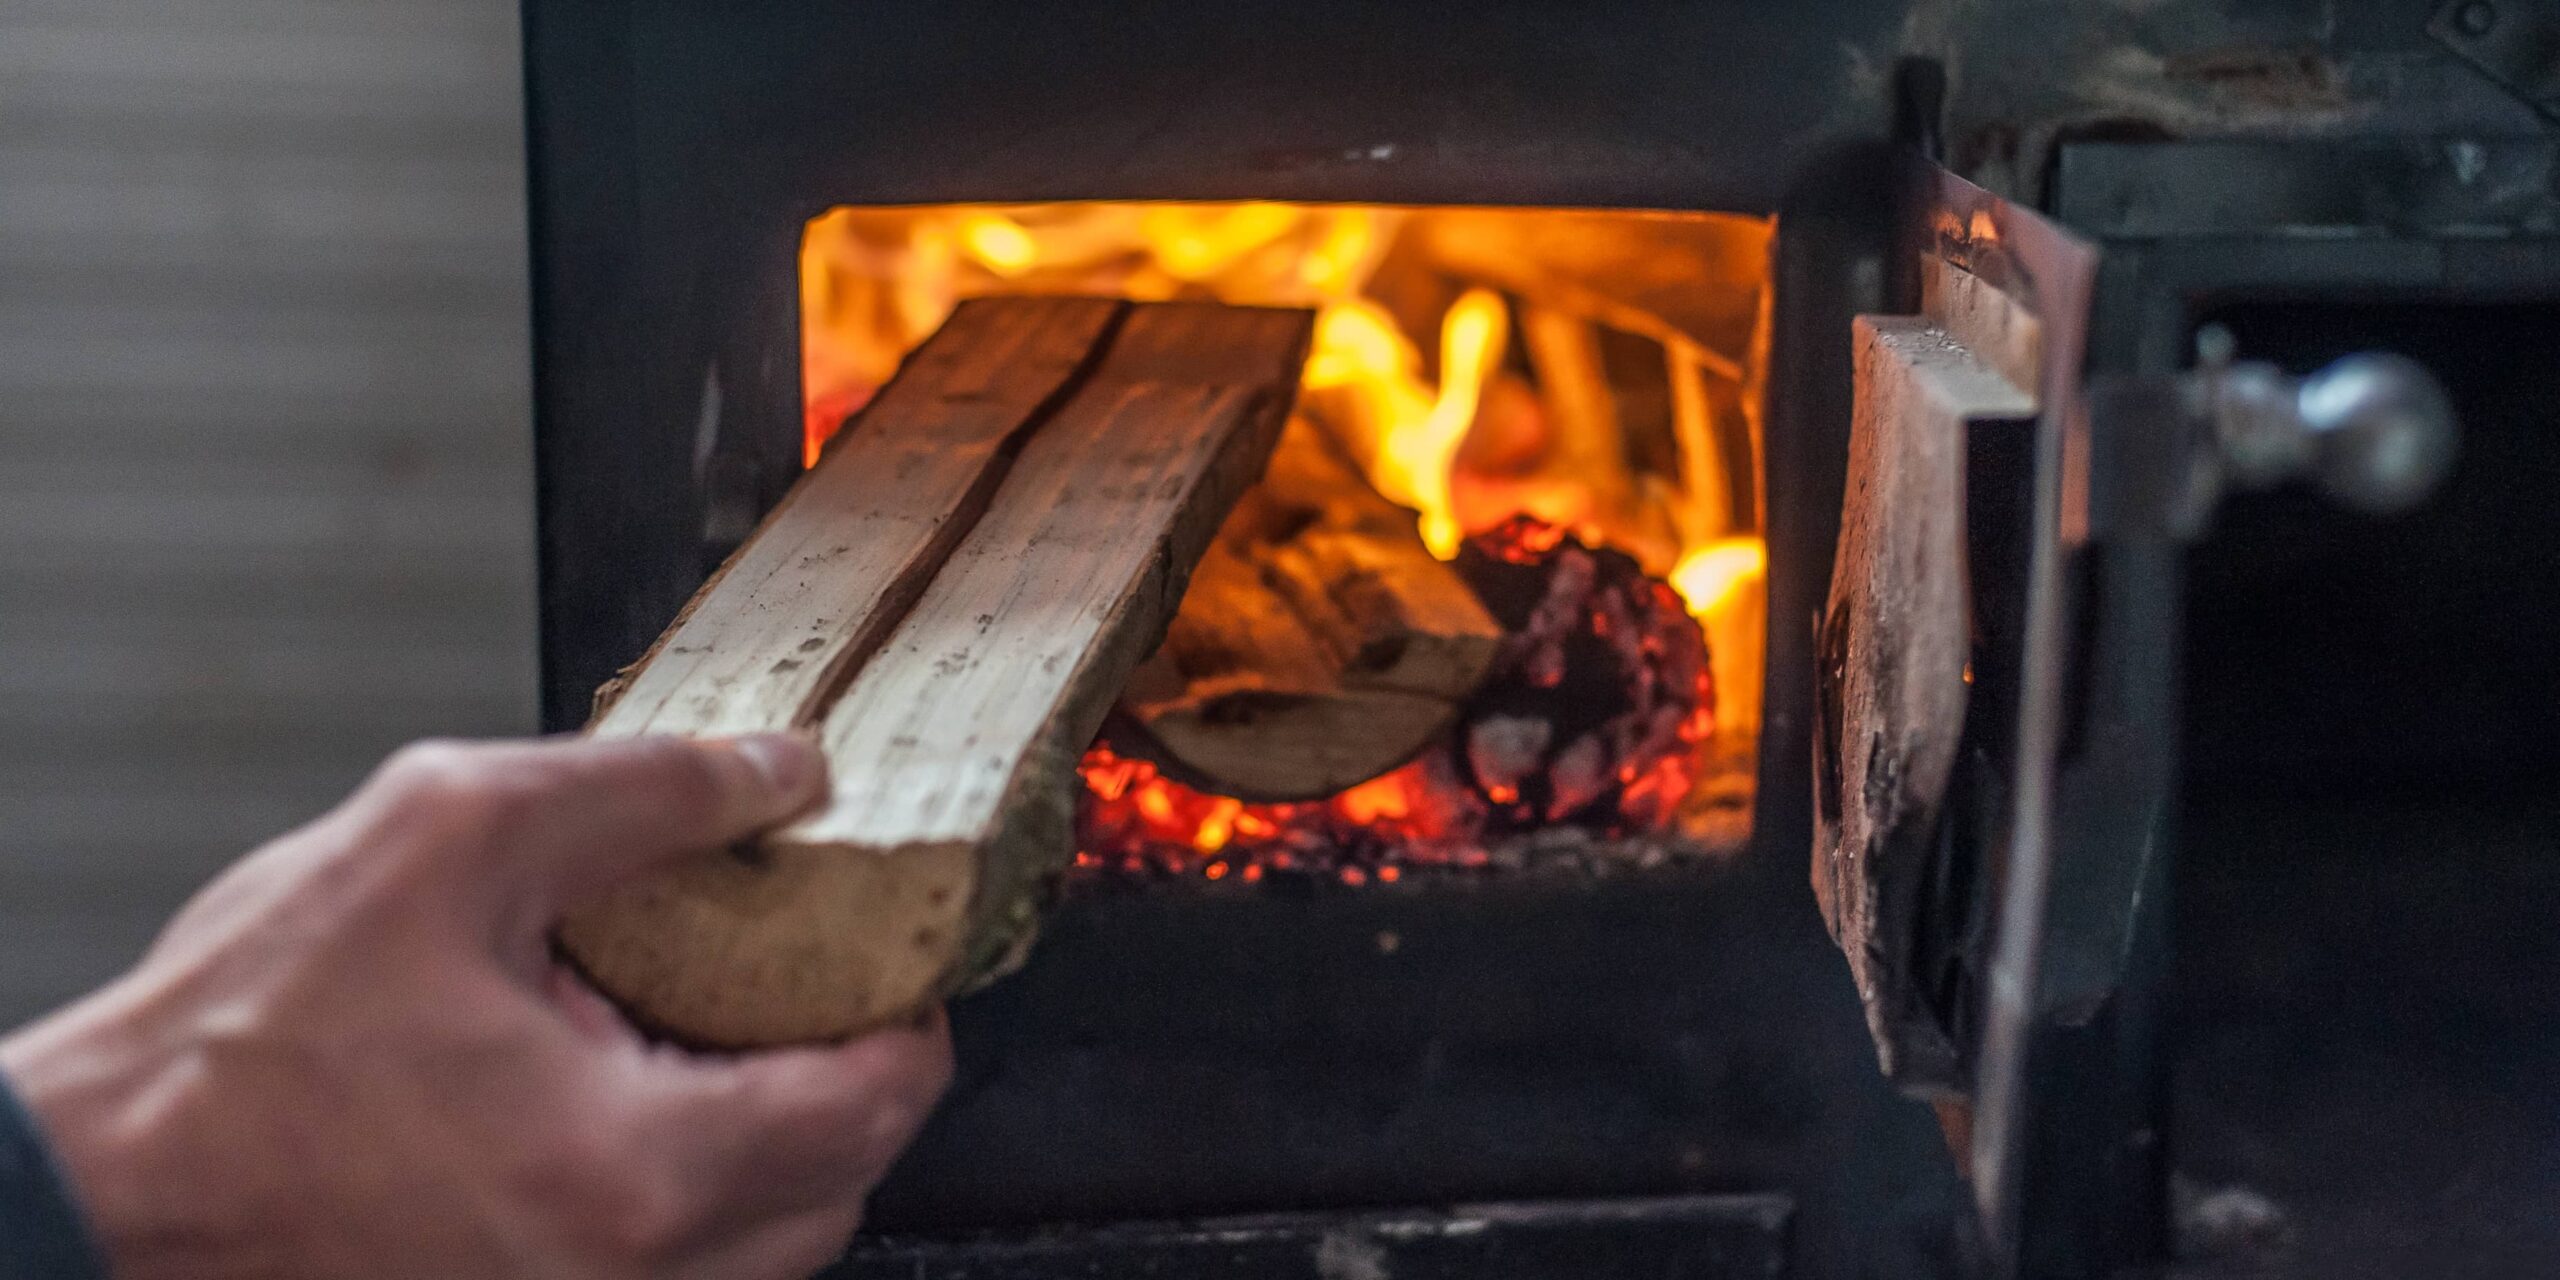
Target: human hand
point(354, 1053)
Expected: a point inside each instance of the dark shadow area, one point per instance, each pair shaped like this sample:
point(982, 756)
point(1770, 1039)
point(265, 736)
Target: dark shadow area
point(2368, 938)
point(2417, 656)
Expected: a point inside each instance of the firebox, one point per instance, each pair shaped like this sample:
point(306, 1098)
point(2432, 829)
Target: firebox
point(1851, 496)
point(1567, 403)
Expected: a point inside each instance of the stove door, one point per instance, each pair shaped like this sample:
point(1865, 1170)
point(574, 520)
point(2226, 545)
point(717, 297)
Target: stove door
point(1941, 658)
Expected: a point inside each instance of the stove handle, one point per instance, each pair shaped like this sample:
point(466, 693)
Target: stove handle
point(2374, 431)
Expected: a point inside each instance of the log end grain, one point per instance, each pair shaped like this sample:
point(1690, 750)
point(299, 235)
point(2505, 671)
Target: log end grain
point(782, 944)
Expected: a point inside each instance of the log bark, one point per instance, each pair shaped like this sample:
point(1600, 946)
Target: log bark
point(954, 745)
point(1320, 644)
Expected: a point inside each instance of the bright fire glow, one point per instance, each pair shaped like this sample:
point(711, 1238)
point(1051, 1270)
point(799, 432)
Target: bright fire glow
point(1359, 351)
point(1713, 575)
point(999, 243)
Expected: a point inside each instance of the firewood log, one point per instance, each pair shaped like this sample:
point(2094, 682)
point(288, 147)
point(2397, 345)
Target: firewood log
point(846, 552)
point(952, 674)
point(1320, 644)
point(1891, 657)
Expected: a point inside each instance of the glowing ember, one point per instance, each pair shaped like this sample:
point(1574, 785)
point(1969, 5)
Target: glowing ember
point(1593, 719)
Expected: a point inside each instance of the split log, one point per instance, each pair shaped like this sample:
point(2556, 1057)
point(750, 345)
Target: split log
point(813, 593)
point(1320, 645)
point(954, 744)
point(1890, 670)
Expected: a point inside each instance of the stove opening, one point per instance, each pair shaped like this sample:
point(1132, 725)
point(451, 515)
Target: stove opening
point(1520, 623)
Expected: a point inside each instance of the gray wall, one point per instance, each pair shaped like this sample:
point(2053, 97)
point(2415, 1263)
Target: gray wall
point(265, 479)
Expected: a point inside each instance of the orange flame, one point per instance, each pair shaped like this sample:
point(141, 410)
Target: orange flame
point(874, 282)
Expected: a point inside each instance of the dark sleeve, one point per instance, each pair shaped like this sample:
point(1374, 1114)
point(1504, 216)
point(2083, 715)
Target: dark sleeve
point(41, 1234)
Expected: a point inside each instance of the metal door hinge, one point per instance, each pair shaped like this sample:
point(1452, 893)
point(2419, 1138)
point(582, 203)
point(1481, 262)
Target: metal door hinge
point(2514, 42)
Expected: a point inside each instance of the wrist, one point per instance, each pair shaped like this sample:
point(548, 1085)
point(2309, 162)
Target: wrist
point(43, 1231)
point(119, 1117)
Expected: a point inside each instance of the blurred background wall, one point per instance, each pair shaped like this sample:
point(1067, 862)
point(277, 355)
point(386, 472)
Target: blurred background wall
point(265, 477)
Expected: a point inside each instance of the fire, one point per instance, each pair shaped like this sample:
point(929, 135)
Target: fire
point(999, 243)
point(1711, 576)
point(1138, 820)
point(1415, 457)
point(1470, 360)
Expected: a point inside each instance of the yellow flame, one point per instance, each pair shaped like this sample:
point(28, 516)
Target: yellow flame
point(1418, 453)
point(999, 243)
point(1357, 344)
point(1195, 242)
point(1359, 348)
point(1714, 574)
point(1340, 260)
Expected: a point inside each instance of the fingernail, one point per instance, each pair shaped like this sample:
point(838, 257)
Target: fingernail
point(790, 765)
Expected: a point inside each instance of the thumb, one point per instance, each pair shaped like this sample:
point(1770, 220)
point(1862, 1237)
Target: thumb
point(557, 822)
point(616, 808)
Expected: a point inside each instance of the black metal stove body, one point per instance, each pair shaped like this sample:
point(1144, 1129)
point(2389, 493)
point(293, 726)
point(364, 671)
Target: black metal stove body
point(1681, 1031)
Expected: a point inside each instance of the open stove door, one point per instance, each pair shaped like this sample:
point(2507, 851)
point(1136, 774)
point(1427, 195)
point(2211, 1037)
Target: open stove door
point(1945, 666)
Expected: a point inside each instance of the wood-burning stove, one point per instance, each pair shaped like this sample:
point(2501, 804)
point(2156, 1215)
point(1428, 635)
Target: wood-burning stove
point(1663, 1063)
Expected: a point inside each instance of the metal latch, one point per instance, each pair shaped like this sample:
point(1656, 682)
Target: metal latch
point(2374, 431)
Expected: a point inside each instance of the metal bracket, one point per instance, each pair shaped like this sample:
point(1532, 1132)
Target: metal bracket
point(2514, 42)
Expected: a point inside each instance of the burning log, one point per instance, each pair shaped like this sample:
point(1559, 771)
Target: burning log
point(952, 663)
point(1602, 692)
point(1320, 646)
point(1590, 721)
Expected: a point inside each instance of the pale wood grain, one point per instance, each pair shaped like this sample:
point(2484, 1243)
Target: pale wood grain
point(1999, 332)
point(839, 561)
point(1108, 508)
